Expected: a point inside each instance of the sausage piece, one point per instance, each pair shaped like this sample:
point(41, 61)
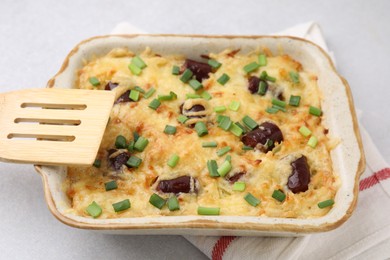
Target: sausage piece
point(118, 160)
point(195, 108)
point(236, 176)
point(124, 98)
point(259, 136)
point(184, 184)
point(253, 84)
point(199, 69)
point(299, 179)
point(111, 85)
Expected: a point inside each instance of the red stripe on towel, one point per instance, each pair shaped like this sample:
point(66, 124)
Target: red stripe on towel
point(220, 247)
point(223, 242)
point(374, 179)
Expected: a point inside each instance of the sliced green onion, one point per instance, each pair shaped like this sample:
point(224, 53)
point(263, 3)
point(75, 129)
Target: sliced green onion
point(157, 201)
point(225, 123)
point(223, 151)
point(130, 147)
point(111, 185)
point(294, 100)
point(304, 131)
point(173, 203)
point(315, 111)
point(171, 96)
point(134, 69)
point(192, 96)
point(220, 109)
point(234, 105)
point(294, 76)
point(137, 61)
point(220, 118)
point(278, 102)
point(94, 210)
point(239, 186)
point(141, 144)
point(134, 161)
point(249, 122)
point(121, 205)
point(263, 75)
point(94, 81)
point(213, 168)
point(312, 142)
point(175, 70)
point(214, 64)
point(228, 158)
point(247, 148)
point(224, 168)
point(251, 67)
point(268, 143)
point(170, 130)
point(269, 78)
point(97, 163)
point(325, 203)
point(201, 129)
point(272, 110)
point(154, 104)
point(120, 142)
point(279, 108)
point(252, 200)
point(141, 90)
point(236, 130)
point(172, 162)
point(279, 195)
point(186, 76)
point(244, 129)
point(208, 211)
point(277, 148)
point(195, 85)
point(135, 136)
point(223, 79)
point(134, 95)
point(182, 119)
point(262, 88)
point(262, 60)
point(209, 144)
point(149, 93)
point(206, 95)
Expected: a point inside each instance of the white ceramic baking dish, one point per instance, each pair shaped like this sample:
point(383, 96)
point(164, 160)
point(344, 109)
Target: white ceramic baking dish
point(337, 104)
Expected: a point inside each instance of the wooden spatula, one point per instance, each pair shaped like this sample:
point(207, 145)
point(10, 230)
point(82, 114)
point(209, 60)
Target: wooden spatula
point(53, 126)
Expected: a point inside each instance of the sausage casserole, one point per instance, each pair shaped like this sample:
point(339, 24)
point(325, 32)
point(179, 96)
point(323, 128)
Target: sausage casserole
point(227, 133)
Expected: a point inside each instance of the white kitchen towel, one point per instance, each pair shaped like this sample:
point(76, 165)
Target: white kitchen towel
point(366, 235)
point(362, 236)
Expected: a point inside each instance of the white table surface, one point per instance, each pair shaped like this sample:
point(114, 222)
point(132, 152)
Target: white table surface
point(35, 36)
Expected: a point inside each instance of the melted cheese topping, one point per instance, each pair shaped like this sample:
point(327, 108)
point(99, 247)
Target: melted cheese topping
point(266, 172)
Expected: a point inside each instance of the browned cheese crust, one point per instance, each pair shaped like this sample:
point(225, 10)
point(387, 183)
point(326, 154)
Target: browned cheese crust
point(263, 172)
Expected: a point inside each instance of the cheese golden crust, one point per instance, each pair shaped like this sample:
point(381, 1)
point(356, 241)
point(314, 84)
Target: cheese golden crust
point(264, 172)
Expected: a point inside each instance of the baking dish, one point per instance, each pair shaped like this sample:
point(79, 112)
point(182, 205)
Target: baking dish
point(348, 159)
